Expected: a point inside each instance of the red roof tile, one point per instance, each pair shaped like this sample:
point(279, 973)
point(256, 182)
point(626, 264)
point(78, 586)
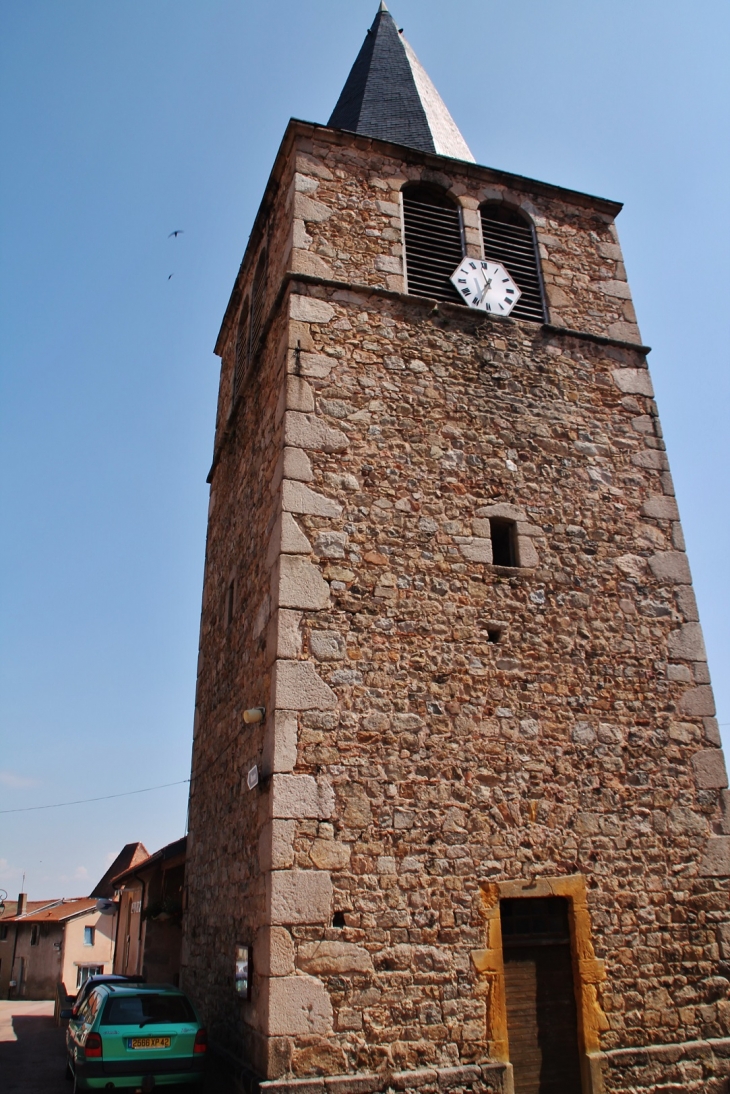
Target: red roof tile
point(11, 907)
point(55, 911)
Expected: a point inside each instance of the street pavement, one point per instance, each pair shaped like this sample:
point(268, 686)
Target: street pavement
point(33, 1055)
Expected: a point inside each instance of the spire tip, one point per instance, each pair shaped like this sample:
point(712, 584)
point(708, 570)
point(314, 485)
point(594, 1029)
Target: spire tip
point(383, 6)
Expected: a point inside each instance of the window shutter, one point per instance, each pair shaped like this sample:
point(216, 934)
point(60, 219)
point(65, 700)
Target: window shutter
point(434, 244)
point(242, 352)
point(258, 293)
point(509, 239)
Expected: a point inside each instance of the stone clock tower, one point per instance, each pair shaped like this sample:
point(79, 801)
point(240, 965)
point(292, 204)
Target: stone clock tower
point(457, 803)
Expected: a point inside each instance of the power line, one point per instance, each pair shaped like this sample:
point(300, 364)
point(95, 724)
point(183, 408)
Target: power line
point(145, 790)
point(128, 793)
point(103, 798)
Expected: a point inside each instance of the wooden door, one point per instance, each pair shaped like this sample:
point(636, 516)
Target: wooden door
point(542, 1021)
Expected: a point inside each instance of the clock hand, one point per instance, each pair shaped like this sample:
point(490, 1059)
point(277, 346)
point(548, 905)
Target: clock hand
point(487, 286)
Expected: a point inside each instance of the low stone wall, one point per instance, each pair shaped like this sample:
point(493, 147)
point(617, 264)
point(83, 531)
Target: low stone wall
point(493, 1078)
point(694, 1067)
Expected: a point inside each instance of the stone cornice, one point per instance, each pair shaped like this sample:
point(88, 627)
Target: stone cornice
point(454, 311)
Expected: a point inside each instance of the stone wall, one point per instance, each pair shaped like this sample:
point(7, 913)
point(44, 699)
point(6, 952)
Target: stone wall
point(438, 725)
point(347, 218)
point(225, 887)
point(699, 1067)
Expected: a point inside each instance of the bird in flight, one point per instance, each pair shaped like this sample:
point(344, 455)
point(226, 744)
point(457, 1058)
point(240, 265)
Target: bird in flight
point(171, 275)
point(176, 233)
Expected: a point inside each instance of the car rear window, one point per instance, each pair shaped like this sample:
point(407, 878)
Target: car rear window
point(147, 1009)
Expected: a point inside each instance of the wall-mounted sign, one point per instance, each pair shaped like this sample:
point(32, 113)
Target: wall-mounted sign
point(244, 971)
point(253, 777)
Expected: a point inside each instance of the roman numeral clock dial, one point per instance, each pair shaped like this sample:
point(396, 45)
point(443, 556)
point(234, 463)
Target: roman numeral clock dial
point(484, 284)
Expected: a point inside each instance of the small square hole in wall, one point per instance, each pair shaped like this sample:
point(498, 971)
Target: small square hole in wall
point(338, 919)
point(494, 634)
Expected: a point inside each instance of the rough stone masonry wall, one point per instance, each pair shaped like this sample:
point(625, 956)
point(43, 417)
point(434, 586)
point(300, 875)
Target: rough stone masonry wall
point(347, 226)
point(225, 887)
point(583, 742)
point(415, 762)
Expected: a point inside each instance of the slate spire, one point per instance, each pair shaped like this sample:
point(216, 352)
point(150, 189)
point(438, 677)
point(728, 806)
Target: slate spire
point(389, 95)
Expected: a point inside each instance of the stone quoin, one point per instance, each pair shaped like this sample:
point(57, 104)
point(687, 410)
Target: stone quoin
point(489, 845)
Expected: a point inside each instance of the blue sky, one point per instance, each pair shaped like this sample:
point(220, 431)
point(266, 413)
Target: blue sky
point(120, 122)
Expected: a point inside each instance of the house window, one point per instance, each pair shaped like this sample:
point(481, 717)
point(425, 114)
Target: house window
point(34, 934)
point(242, 352)
point(504, 542)
point(3, 932)
point(542, 1021)
point(509, 238)
point(85, 971)
point(434, 243)
point(89, 936)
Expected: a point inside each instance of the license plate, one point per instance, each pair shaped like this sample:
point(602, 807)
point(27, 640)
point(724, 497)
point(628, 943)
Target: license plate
point(149, 1042)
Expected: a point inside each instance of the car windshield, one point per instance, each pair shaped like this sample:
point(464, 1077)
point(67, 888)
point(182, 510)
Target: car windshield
point(147, 1009)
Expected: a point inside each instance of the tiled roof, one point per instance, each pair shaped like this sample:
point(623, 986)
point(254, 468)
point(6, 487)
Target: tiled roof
point(130, 856)
point(11, 907)
point(389, 95)
point(170, 850)
point(54, 911)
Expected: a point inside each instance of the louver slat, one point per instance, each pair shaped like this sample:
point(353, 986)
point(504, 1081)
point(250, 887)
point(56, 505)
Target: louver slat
point(433, 246)
point(510, 241)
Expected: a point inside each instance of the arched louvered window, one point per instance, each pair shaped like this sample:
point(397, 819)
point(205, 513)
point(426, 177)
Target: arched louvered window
point(258, 294)
point(509, 239)
point(434, 243)
point(242, 351)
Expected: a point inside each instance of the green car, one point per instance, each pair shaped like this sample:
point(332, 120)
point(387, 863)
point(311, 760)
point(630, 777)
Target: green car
point(134, 1037)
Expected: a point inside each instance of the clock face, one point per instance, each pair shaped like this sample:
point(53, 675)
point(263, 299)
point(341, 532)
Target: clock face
point(486, 285)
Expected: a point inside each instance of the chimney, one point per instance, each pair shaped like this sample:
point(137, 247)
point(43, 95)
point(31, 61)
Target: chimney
point(22, 904)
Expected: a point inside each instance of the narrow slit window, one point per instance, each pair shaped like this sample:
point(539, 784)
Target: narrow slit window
point(242, 352)
point(34, 935)
point(230, 603)
point(434, 243)
point(509, 238)
point(504, 542)
point(258, 295)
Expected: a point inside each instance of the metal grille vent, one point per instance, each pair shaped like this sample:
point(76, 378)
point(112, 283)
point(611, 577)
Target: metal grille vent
point(508, 239)
point(434, 244)
point(242, 352)
point(258, 293)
